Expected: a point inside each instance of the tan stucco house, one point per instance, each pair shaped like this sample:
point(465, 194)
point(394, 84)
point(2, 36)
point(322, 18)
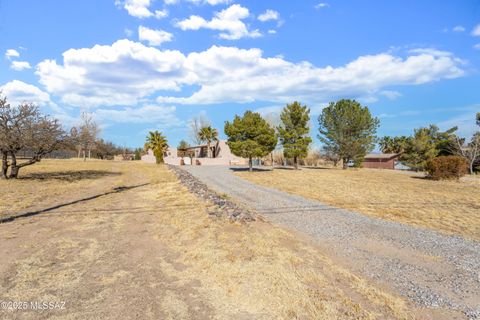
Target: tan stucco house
point(220, 155)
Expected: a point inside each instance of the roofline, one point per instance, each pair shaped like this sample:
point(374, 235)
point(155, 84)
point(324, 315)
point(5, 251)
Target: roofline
point(381, 155)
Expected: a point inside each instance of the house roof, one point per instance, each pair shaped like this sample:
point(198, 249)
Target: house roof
point(381, 155)
point(202, 145)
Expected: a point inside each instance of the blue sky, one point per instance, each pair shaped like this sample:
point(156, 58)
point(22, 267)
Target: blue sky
point(140, 65)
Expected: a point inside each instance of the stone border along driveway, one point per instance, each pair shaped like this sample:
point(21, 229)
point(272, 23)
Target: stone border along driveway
point(429, 268)
point(224, 207)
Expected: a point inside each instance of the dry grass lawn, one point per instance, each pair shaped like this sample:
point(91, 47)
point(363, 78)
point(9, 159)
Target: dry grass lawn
point(152, 252)
point(448, 206)
point(49, 180)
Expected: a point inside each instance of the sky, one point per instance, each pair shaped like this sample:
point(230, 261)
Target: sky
point(142, 65)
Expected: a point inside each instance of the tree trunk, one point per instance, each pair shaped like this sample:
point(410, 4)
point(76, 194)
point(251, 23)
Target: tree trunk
point(471, 167)
point(250, 164)
point(14, 168)
point(4, 165)
point(345, 163)
point(84, 156)
point(295, 163)
point(271, 158)
point(209, 152)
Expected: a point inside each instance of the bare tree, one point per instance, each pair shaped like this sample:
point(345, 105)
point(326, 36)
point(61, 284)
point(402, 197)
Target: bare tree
point(470, 151)
point(25, 128)
point(86, 135)
point(195, 125)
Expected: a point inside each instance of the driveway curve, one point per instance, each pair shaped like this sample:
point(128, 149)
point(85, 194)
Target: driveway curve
point(429, 268)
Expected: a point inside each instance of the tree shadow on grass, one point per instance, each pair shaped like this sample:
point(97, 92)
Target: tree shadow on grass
point(34, 213)
point(425, 177)
point(320, 168)
point(256, 169)
point(69, 176)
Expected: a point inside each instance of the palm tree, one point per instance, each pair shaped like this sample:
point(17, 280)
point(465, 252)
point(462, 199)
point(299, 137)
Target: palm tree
point(393, 145)
point(208, 134)
point(158, 143)
point(386, 144)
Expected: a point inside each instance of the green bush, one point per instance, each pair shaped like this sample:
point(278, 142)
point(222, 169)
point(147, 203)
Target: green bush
point(446, 168)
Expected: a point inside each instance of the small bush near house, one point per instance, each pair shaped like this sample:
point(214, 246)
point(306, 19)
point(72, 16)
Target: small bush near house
point(447, 168)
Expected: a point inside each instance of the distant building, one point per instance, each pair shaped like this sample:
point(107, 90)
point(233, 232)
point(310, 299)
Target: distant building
point(220, 155)
point(149, 157)
point(381, 161)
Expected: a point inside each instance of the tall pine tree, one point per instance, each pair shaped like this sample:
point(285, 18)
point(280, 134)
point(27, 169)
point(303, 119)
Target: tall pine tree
point(294, 130)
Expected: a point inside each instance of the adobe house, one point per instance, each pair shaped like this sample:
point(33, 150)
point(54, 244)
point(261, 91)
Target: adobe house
point(380, 161)
point(221, 156)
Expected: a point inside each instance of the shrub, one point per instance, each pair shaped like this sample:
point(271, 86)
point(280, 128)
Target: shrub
point(446, 167)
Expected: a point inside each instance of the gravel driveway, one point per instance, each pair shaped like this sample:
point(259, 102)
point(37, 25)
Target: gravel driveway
point(429, 268)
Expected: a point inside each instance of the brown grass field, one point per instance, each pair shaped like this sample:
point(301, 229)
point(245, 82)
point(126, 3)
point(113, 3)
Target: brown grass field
point(152, 252)
point(451, 207)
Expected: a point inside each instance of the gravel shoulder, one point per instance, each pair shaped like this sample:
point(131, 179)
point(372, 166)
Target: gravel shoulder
point(429, 268)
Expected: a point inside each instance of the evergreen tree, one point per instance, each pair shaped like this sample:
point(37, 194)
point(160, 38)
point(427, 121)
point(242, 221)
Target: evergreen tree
point(348, 130)
point(419, 149)
point(393, 144)
point(444, 140)
point(250, 136)
point(138, 153)
point(182, 149)
point(293, 132)
point(158, 143)
point(183, 145)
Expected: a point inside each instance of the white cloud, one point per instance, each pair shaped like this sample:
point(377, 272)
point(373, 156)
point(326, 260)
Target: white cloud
point(119, 74)
point(199, 2)
point(321, 5)
point(465, 122)
point(476, 31)
point(18, 91)
point(128, 32)
point(160, 14)
point(128, 72)
point(153, 37)
point(432, 52)
point(215, 2)
point(11, 53)
point(163, 116)
point(477, 46)
point(458, 29)
point(269, 15)
point(141, 9)
point(269, 110)
point(229, 21)
point(390, 94)
point(272, 31)
point(20, 65)
point(231, 74)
